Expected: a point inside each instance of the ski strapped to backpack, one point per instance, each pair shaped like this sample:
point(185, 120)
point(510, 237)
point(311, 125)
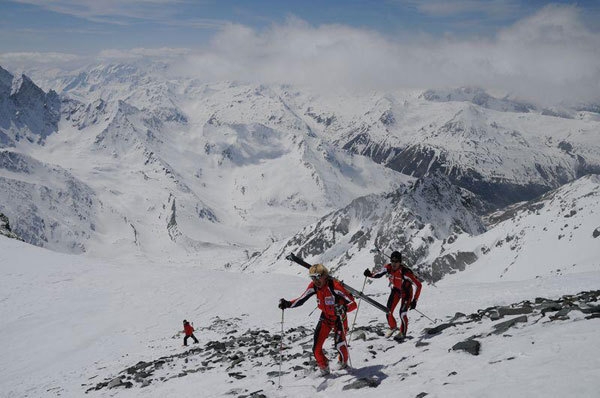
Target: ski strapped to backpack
point(354, 292)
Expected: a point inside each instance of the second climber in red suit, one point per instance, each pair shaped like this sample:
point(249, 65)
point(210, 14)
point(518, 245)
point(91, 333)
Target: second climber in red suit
point(334, 301)
point(402, 280)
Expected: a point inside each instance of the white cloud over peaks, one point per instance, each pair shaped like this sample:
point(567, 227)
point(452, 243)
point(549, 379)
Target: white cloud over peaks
point(550, 55)
point(136, 53)
point(22, 60)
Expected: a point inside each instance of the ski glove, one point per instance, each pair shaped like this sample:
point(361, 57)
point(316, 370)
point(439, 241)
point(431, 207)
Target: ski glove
point(340, 310)
point(283, 304)
point(368, 273)
point(413, 305)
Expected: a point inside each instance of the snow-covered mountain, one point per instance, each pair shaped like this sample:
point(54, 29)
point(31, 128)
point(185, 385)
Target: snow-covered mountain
point(436, 226)
point(47, 205)
point(26, 111)
point(150, 174)
point(412, 219)
point(557, 233)
point(491, 147)
point(166, 183)
point(176, 165)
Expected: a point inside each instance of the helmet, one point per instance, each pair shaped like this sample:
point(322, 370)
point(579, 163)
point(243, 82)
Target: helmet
point(317, 270)
point(396, 256)
point(184, 321)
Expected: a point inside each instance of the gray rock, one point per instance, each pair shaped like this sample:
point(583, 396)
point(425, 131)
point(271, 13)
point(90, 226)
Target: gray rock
point(550, 307)
point(362, 383)
point(471, 346)
point(561, 315)
point(438, 329)
point(237, 375)
point(116, 382)
point(504, 326)
point(504, 311)
point(457, 316)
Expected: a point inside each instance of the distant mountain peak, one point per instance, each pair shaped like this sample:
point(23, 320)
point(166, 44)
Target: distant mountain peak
point(26, 111)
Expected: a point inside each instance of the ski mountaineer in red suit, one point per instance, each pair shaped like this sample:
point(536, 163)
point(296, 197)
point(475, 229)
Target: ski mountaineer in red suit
point(189, 332)
point(402, 280)
point(334, 301)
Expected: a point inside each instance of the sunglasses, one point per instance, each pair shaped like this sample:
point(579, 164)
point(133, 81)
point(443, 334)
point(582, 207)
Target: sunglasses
point(315, 277)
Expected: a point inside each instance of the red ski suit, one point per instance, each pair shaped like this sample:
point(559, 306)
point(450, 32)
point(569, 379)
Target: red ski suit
point(401, 282)
point(330, 295)
point(188, 329)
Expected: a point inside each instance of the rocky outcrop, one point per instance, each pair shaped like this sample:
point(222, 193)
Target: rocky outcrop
point(239, 353)
point(5, 229)
point(26, 111)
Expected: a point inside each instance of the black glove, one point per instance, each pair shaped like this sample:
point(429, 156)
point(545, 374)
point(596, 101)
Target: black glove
point(340, 310)
point(413, 305)
point(283, 304)
point(368, 273)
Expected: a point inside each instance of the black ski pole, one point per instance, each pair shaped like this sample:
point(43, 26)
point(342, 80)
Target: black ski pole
point(281, 348)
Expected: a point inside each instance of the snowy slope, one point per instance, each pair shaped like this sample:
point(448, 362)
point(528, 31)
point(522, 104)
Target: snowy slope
point(556, 234)
point(72, 325)
point(487, 145)
point(173, 187)
point(46, 204)
point(411, 219)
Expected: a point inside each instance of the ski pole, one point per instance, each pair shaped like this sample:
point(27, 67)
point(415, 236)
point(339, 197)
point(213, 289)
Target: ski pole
point(356, 313)
point(281, 348)
point(426, 316)
point(347, 340)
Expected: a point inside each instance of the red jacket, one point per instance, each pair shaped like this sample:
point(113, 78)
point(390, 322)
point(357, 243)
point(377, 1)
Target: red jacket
point(401, 279)
point(188, 329)
point(326, 298)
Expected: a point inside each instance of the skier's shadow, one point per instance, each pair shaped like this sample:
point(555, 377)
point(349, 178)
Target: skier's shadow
point(370, 372)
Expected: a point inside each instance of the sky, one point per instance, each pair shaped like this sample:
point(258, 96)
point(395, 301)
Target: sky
point(529, 48)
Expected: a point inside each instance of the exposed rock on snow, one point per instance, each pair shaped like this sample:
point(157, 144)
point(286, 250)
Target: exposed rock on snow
point(5, 228)
point(243, 354)
point(471, 346)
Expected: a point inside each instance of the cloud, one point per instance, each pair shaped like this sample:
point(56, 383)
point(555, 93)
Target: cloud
point(53, 59)
point(139, 53)
point(547, 57)
point(550, 55)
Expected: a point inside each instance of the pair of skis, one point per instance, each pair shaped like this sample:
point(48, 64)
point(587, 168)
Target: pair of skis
point(350, 289)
